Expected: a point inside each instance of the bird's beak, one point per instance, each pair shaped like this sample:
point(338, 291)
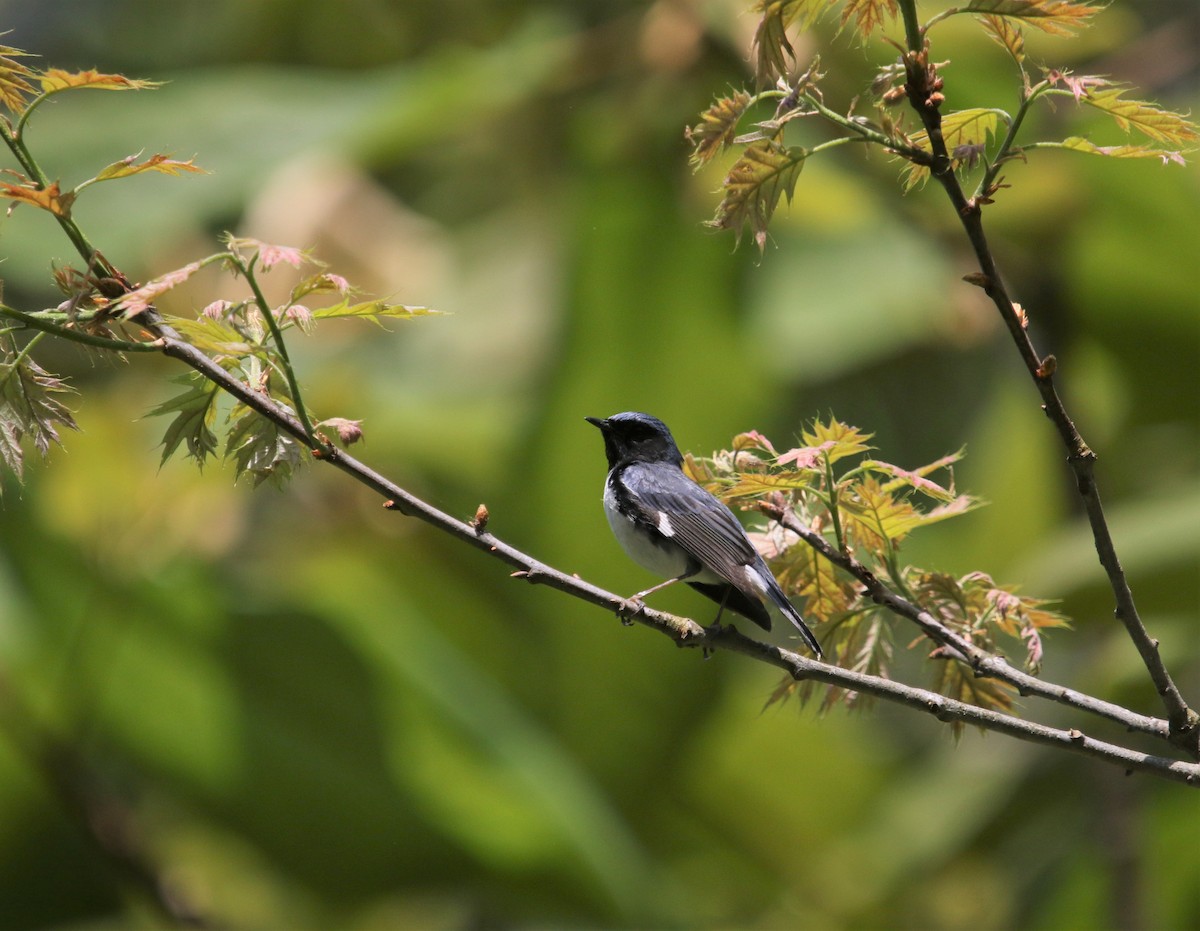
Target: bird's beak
point(597, 422)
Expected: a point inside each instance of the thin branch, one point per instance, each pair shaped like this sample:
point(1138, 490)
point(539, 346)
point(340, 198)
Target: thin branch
point(981, 662)
point(247, 271)
point(1184, 722)
point(36, 322)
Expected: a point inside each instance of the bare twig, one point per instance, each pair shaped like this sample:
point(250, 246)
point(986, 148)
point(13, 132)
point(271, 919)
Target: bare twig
point(922, 89)
point(981, 662)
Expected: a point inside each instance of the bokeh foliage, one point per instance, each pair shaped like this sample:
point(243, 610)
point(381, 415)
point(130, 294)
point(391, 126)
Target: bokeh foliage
point(321, 714)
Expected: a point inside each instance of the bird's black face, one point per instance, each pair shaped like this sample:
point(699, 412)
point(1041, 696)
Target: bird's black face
point(639, 437)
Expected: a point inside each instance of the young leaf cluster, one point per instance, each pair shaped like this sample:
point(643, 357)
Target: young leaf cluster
point(767, 167)
point(103, 309)
point(30, 407)
point(247, 338)
point(865, 508)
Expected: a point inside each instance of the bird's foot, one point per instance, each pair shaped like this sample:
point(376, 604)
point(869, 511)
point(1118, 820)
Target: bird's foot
point(630, 608)
point(713, 630)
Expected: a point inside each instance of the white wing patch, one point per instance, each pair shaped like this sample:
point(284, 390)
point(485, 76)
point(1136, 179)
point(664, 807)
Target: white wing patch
point(664, 525)
point(756, 581)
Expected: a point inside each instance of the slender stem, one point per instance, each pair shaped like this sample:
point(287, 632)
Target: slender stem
point(16, 143)
point(247, 270)
point(1006, 146)
point(835, 515)
point(867, 132)
point(914, 36)
point(76, 336)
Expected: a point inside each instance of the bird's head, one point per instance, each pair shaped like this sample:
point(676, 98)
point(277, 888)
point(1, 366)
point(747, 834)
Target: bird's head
point(636, 437)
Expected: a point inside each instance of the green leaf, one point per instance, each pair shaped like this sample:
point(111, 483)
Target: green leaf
point(27, 393)
point(374, 310)
point(261, 449)
point(195, 412)
point(881, 516)
point(868, 15)
point(1056, 17)
point(1004, 31)
point(1164, 126)
point(773, 52)
point(1079, 144)
point(717, 127)
point(159, 163)
point(759, 484)
point(827, 442)
point(11, 453)
point(766, 171)
point(962, 130)
point(214, 336)
point(29, 407)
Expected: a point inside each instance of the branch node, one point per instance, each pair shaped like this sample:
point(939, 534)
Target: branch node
point(1076, 735)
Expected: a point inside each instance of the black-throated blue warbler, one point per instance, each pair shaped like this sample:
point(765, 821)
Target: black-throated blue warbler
point(672, 527)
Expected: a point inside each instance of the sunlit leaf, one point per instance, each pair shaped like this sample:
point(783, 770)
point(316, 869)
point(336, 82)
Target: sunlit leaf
point(15, 79)
point(195, 412)
point(827, 441)
point(868, 15)
point(961, 130)
point(55, 79)
point(212, 335)
point(765, 172)
point(881, 515)
point(1150, 120)
point(1007, 33)
point(50, 198)
point(160, 163)
point(374, 310)
point(753, 484)
point(826, 591)
point(717, 127)
point(1056, 17)
point(773, 52)
point(1079, 144)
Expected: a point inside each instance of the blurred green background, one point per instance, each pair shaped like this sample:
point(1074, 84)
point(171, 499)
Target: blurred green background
point(312, 713)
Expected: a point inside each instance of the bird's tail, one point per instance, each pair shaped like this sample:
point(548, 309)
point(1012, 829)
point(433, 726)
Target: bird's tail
point(789, 611)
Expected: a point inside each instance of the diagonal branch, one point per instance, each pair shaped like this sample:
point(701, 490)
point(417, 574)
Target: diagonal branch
point(981, 662)
point(688, 633)
point(922, 89)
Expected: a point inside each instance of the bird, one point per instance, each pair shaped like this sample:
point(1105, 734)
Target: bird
point(672, 527)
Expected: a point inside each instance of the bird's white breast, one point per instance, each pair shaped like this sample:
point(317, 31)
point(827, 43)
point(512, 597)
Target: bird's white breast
point(664, 561)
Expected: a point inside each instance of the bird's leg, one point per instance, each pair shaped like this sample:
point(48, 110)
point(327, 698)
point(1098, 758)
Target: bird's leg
point(633, 603)
point(715, 626)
